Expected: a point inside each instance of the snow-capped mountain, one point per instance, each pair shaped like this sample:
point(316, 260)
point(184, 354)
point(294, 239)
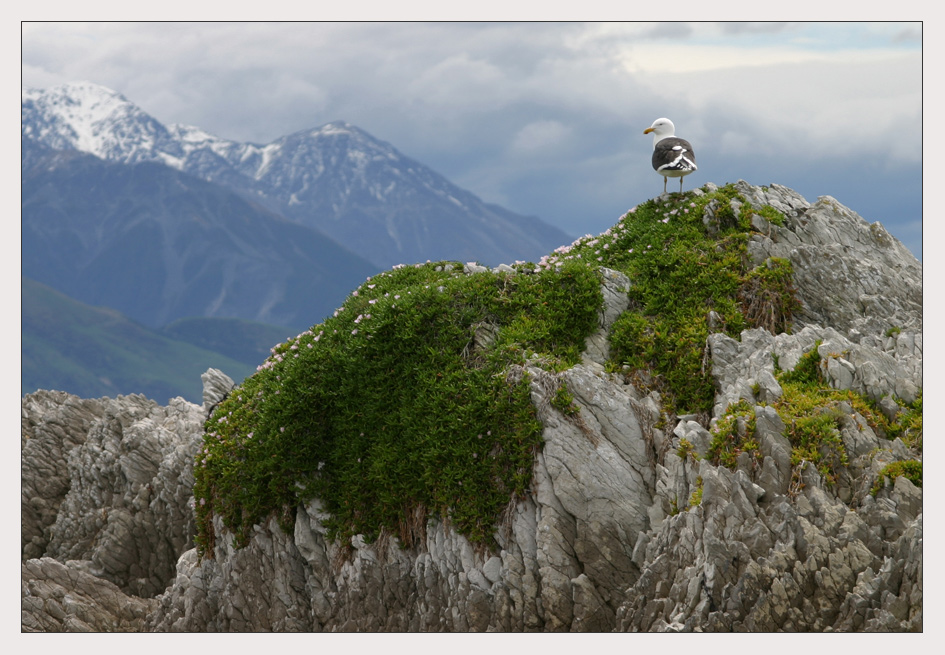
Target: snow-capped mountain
point(336, 178)
point(90, 118)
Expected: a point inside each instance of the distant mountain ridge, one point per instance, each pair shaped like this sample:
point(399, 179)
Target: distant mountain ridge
point(336, 178)
point(160, 245)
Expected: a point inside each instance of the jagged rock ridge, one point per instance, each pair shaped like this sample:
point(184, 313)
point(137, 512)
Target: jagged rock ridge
point(606, 540)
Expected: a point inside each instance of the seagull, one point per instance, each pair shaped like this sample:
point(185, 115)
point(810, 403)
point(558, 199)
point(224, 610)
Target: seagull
point(672, 156)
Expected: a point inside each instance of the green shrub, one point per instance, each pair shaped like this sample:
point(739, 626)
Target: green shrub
point(695, 498)
point(728, 441)
point(910, 468)
point(393, 410)
point(807, 370)
point(679, 274)
point(768, 297)
point(563, 401)
point(686, 449)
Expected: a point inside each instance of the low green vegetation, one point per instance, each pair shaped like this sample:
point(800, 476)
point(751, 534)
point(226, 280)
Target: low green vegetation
point(563, 401)
point(734, 434)
point(686, 449)
point(767, 296)
point(910, 468)
point(908, 424)
point(400, 407)
point(695, 498)
point(813, 414)
point(686, 256)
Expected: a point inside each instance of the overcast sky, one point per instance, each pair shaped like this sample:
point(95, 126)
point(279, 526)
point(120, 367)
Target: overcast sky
point(545, 119)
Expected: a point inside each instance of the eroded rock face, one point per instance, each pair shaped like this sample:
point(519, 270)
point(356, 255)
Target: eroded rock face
point(851, 275)
point(622, 530)
point(53, 424)
point(108, 491)
point(793, 563)
point(61, 597)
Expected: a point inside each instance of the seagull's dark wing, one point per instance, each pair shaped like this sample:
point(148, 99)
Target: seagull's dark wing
point(673, 154)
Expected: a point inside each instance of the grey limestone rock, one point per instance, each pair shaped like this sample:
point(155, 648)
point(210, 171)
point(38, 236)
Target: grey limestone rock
point(849, 274)
point(614, 288)
point(107, 503)
point(61, 597)
point(126, 511)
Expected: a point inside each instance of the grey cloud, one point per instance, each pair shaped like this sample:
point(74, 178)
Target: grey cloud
point(672, 30)
point(750, 27)
point(909, 35)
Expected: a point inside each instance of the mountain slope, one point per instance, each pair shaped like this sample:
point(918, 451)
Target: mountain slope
point(95, 351)
point(337, 178)
point(244, 341)
point(159, 245)
point(358, 189)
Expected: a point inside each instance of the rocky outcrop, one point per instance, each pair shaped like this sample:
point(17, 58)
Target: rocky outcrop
point(766, 551)
point(107, 492)
point(596, 547)
point(851, 275)
point(61, 597)
point(624, 528)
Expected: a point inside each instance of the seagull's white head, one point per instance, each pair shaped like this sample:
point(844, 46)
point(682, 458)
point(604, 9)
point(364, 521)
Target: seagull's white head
point(661, 128)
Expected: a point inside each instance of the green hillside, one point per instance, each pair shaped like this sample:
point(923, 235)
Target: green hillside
point(96, 351)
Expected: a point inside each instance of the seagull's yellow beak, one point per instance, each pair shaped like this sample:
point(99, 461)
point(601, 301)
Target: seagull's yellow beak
point(648, 130)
